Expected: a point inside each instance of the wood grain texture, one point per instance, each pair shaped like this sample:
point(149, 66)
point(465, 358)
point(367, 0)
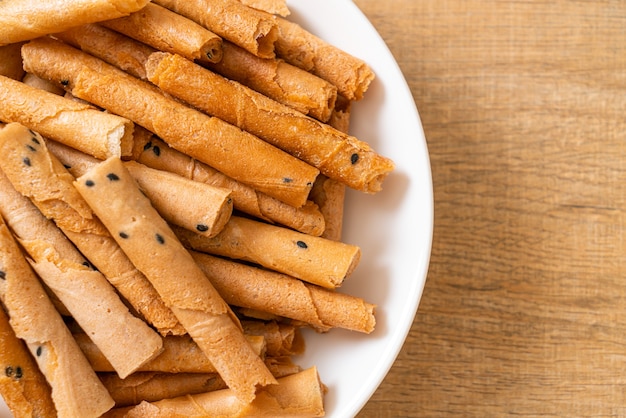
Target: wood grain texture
point(524, 108)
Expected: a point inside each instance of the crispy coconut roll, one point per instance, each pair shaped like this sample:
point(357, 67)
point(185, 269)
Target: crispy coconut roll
point(336, 154)
point(22, 385)
point(154, 249)
point(298, 395)
point(165, 30)
point(279, 80)
point(249, 28)
point(75, 388)
point(316, 260)
point(64, 120)
point(225, 147)
point(49, 186)
point(21, 20)
point(351, 75)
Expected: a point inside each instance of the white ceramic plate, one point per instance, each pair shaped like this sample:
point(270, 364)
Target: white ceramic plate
point(393, 228)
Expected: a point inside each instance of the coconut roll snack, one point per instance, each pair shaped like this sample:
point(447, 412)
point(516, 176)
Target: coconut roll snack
point(251, 29)
point(225, 147)
point(315, 260)
point(154, 249)
point(64, 120)
point(21, 20)
point(166, 30)
point(336, 154)
point(74, 387)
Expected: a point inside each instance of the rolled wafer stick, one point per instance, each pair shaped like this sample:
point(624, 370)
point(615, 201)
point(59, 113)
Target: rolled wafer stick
point(279, 80)
point(351, 75)
point(152, 387)
point(336, 154)
point(280, 339)
point(126, 340)
point(21, 20)
point(153, 152)
point(22, 385)
point(225, 147)
point(279, 294)
point(110, 46)
point(49, 186)
point(76, 390)
point(313, 259)
point(154, 249)
point(180, 355)
point(298, 395)
point(77, 125)
point(11, 61)
point(275, 7)
point(166, 30)
point(282, 366)
point(38, 82)
point(249, 28)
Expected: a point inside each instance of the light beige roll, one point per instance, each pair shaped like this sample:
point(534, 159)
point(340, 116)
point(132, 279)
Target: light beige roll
point(38, 82)
point(315, 260)
point(154, 153)
point(297, 395)
point(110, 46)
point(225, 147)
point(166, 30)
point(49, 186)
point(251, 29)
point(21, 20)
point(127, 341)
point(336, 154)
point(11, 61)
point(76, 390)
point(180, 355)
point(154, 249)
point(279, 80)
point(281, 339)
point(22, 385)
point(75, 124)
point(282, 295)
point(152, 387)
point(351, 75)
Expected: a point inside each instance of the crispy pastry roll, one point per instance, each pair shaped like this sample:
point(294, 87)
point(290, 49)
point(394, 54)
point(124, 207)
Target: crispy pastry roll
point(334, 153)
point(154, 153)
point(180, 355)
point(281, 339)
point(38, 82)
point(154, 249)
point(21, 20)
point(11, 61)
point(279, 80)
point(282, 295)
point(22, 385)
point(249, 28)
point(165, 30)
point(313, 259)
point(75, 124)
point(110, 46)
point(297, 395)
point(126, 340)
point(75, 388)
point(49, 186)
point(225, 147)
point(351, 75)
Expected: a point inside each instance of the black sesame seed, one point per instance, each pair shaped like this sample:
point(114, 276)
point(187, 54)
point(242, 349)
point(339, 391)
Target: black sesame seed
point(287, 180)
point(113, 177)
point(123, 235)
point(8, 371)
point(156, 150)
point(65, 82)
point(86, 264)
point(90, 183)
point(147, 146)
point(26, 161)
point(3, 275)
point(302, 244)
point(30, 147)
point(39, 351)
point(160, 239)
point(202, 227)
point(67, 166)
point(354, 158)
point(34, 139)
point(18, 372)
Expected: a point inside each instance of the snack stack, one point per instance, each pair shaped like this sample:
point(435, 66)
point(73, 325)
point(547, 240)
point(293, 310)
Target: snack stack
point(172, 184)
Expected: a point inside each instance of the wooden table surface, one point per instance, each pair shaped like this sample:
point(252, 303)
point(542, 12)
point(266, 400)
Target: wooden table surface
point(524, 108)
